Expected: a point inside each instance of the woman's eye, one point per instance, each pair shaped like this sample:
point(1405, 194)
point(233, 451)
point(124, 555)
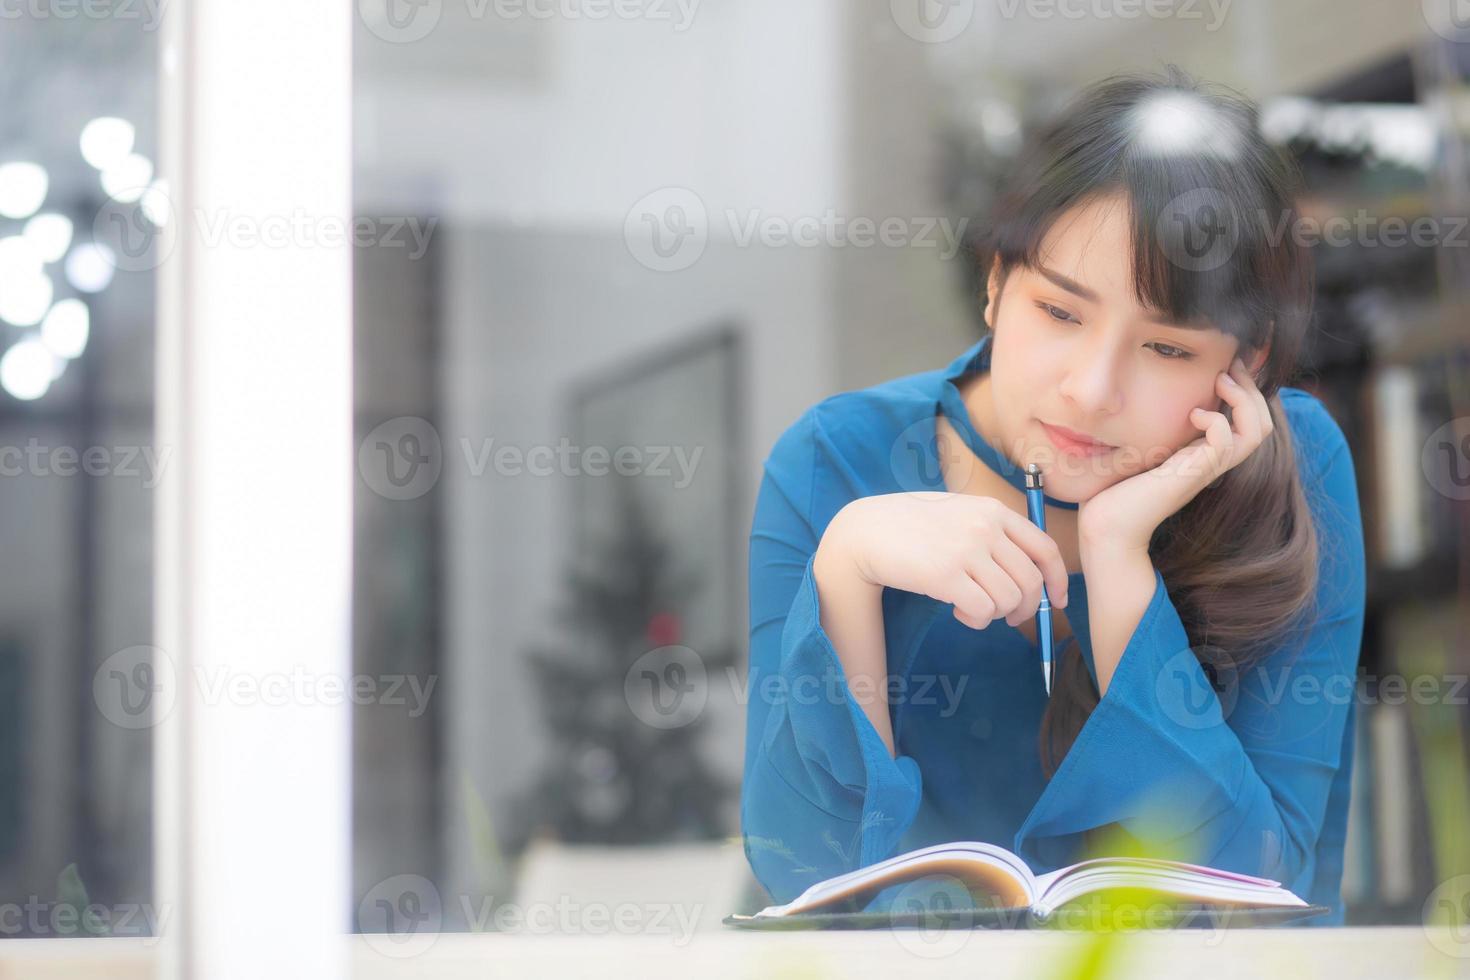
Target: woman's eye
point(1057, 314)
point(1166, 351)
point(1177, 355)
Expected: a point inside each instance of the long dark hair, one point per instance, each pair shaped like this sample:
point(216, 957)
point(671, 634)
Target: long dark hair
point(1209, 197)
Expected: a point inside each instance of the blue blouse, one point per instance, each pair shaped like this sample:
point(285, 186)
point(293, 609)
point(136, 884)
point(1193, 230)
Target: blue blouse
point(1250, 773)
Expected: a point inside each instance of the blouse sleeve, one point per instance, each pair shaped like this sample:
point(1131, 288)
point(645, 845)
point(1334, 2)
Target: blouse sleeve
point(1236, 774)
point(821, 795)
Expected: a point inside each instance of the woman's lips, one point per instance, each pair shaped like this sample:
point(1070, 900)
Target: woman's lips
point(1072, 444)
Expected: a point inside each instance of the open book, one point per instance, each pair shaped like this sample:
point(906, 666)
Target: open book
point(1001, 877)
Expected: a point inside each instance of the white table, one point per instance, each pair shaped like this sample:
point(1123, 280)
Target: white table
point(1334, 954)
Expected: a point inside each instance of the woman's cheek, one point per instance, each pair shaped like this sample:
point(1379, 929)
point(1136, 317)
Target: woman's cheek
point(1151, 452)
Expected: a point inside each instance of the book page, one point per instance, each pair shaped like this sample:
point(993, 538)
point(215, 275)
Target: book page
point(1211, 886)
point(1045, 881)
point(983, 868)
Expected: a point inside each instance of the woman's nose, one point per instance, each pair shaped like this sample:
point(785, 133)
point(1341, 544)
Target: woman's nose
point(1092, 381)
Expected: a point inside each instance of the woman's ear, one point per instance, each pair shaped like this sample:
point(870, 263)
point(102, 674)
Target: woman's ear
point(1256, 362)
point(992, 293)
point(1254, 367)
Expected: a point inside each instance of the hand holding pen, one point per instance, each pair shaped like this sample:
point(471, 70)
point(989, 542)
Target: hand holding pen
point(973, 551)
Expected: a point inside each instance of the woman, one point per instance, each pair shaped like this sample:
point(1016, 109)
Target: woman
point(1203, 551)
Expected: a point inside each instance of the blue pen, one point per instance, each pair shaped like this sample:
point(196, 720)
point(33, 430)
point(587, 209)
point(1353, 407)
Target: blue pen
point(1036, 507)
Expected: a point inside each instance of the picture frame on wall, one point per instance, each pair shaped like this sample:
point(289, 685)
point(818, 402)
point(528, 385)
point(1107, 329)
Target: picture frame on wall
point(674, 413)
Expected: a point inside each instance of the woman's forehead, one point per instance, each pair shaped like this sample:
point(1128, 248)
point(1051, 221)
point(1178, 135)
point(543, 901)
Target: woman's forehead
point(1099, 228)
point(1092, 262)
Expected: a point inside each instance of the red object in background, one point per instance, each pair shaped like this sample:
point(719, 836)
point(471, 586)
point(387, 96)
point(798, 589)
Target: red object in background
point(664, 629)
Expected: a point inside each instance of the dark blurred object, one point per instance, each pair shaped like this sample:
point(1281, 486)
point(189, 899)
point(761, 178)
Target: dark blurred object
point(616, 776)
point(14, 720)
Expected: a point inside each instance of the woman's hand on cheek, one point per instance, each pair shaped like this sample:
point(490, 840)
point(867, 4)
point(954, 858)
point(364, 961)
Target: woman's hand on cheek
point(1126, 514)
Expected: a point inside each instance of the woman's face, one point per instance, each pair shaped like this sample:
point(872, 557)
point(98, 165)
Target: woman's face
point(1072, 348)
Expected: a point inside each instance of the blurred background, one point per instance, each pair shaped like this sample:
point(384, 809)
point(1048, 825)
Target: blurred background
point(605, 255)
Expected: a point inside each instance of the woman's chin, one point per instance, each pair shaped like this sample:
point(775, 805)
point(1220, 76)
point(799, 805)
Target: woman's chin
point(1072, 483)
point(1070, 476)
point(1069, 494)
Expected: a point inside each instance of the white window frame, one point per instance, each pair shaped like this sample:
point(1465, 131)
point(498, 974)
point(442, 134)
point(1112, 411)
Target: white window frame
point(254, 514)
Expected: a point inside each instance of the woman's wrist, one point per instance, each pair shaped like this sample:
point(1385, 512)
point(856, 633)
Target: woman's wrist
point(1110, 544)
point(1120, 584)
point(837, 556)
point(851, 614)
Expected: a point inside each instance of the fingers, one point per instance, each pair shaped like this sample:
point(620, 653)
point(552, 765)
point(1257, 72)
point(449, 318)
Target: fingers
point(1042, 553)
point(1246, 413)
point(1006, 579)
point(997, 583)
point(1252, 411)
point(1208, 456)
point(1004, 583)
point(972, 604)
point(1247, 382)
point(1023, 577)
point(1229, 440)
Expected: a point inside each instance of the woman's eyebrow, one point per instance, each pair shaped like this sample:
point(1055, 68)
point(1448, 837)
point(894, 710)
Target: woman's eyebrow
point(1070, 285)
point(1076, 288)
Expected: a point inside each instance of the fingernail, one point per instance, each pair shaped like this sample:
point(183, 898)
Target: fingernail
point(1231, 381)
